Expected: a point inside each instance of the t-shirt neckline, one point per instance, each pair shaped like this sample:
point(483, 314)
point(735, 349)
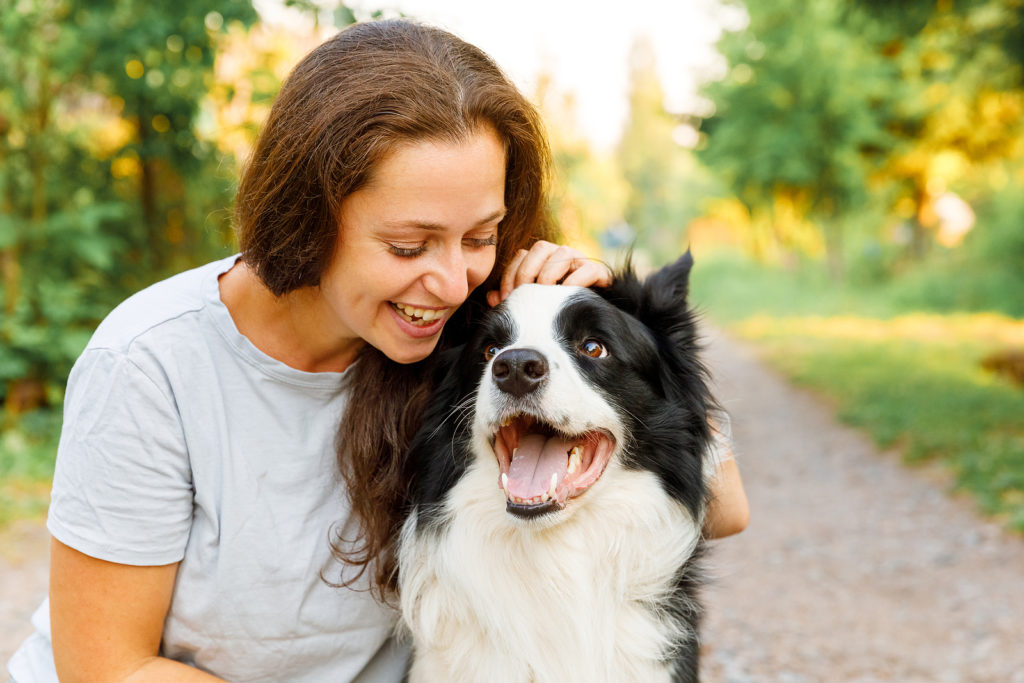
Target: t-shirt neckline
point(240, 344)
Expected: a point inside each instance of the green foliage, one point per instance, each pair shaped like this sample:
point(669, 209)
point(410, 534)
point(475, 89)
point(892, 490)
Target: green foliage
point(842, 108)
point(802, 113)
point(105, 185)
point(985, 273)
point(734, 287)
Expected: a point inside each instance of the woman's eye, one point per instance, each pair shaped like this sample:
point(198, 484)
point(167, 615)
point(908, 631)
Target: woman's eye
point(491, 351)
point(594, 349)
point(407, 252)
point(478, 242)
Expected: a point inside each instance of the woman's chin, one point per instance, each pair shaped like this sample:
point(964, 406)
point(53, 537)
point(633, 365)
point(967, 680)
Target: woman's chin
point(410, 351)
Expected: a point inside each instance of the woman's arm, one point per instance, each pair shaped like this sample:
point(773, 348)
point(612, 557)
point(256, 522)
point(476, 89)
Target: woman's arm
point(728, 512)
point(106, 620)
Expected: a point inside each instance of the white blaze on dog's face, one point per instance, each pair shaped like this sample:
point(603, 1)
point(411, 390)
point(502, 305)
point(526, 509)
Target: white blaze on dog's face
point(553, 432)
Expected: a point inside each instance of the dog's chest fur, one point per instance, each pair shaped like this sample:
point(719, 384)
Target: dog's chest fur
point(490, 603)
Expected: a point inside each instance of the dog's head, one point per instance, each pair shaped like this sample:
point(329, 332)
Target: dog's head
point(560, 383)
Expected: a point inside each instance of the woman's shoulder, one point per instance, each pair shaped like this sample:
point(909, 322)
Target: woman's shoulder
point(167, 302)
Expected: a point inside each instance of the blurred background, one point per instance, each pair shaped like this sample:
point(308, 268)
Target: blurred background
point(848, 173)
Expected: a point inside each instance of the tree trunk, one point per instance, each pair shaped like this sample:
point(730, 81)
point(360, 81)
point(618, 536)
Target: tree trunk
point(153, 249)
point(833, 231)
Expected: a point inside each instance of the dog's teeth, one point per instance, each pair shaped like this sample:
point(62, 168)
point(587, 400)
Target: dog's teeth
point(574, 459)
point(554, 484)
point(504, 483)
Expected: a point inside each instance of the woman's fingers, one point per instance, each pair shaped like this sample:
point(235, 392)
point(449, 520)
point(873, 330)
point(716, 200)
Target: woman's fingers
point(508, 278)
point(529, 268)
point(548, 264)
point(589, 274)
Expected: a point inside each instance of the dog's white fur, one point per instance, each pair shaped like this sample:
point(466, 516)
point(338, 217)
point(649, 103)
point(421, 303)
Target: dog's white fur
point(483, 594)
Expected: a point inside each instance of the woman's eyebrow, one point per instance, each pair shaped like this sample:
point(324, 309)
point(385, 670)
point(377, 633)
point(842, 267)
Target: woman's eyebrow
point(430, 225)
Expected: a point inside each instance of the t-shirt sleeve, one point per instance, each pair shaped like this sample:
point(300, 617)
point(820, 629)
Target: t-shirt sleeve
point(721, 447)
point(122, 487)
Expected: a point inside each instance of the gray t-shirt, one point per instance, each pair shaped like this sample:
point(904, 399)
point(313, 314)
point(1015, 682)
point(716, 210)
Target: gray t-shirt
point(182, 442)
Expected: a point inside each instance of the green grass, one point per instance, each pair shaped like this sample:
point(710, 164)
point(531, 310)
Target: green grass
point(911, 380)
point(28, 448)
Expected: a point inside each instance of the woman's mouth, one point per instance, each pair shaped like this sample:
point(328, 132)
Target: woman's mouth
point(420, 317)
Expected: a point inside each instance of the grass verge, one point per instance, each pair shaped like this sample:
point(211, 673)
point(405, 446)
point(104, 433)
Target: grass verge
point(27, 452)
point(911, 380)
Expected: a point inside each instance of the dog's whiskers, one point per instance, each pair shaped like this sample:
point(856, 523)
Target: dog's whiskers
point(460, 410)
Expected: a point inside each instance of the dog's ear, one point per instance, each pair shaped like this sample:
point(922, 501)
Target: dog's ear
point(664, 292)
point(665, 310)
point(670, 286)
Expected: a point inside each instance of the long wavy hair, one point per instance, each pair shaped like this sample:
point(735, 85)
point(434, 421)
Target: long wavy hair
point(341, 110)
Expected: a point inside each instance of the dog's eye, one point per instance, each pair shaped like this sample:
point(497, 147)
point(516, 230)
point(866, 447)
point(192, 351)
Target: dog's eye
point(491, 351)
point(594, 349)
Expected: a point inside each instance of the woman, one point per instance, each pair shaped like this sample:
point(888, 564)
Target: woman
point(398, 187)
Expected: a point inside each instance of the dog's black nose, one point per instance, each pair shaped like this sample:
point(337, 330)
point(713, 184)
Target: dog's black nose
point(519, 371)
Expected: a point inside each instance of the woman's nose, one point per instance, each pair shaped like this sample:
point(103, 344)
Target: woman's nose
point(448, 278)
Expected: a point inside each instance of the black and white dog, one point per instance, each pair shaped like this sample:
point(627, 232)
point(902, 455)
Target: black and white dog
point(557, 508)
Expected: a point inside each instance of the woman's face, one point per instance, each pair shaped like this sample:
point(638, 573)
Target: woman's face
point(415, 241)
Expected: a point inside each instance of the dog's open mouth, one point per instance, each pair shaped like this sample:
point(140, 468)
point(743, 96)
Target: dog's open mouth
point(541, 468)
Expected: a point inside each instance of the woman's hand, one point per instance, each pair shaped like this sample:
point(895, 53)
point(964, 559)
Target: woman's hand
point(549, 264)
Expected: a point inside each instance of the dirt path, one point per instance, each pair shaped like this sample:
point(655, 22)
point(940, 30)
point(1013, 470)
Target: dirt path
point(853, 568)
point(24, 567)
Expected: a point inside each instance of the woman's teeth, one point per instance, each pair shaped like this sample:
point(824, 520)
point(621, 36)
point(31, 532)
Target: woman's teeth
point(419, 316)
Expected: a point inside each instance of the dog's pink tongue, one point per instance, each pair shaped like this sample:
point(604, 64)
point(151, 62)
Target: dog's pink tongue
point(536, 459)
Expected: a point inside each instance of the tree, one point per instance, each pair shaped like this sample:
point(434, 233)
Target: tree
point(962, 64)
point(661, 175)
point(589, 192)
point(842, 108)
point(104, 185)
point(802, 114)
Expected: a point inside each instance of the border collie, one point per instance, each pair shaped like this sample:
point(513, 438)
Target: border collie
point(558, 491)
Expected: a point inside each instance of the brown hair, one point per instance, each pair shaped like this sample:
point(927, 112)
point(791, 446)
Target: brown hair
point(345, 105)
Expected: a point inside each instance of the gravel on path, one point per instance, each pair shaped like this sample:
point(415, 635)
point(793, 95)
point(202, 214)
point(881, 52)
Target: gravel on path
point(24, 577)
point(854, 567)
